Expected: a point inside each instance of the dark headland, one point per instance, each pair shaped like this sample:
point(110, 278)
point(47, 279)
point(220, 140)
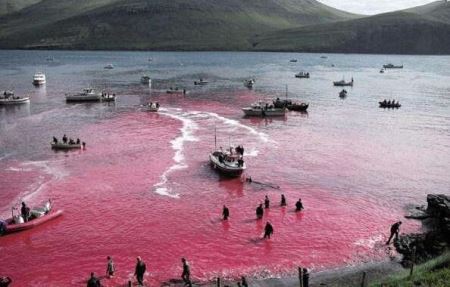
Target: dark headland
point(232, 25)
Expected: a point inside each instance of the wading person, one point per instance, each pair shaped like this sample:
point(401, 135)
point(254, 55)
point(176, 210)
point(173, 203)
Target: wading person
point(110, 267)
point(186, 275)
point(266, 202)
point(259, 211)
point(283, 200)
point(268, 230)
point(395, 228)
point(5, 281)
point(93, 281)
point(225, 212)
point(140, 270)
point(244, 282)
point(299, 205)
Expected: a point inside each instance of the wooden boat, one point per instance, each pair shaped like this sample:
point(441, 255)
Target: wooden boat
point(200, 82)
point(386, 105)
point(302, 75)
point(249, 83)
point(87, 95)
point(65, 146)
point(261, 109)
point(39, 215)
point(392, 66)
point(343, 83)
point(343, 94)
point(176, 91)
point(9, 98)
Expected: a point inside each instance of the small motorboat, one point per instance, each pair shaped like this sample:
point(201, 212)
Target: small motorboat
point(176, 91)
point(39, 79)
point(343, 94)
point(151, 107)
point(261, 109)
point(392, 66)
point(109, 67)
point(389, 105)
point(9, 98)
point(343, 83)
point(249, 83)
point(293, 60)
point(200, 82)
point(87, 95)
point(39, 215)
point(107, 97)
point(146, 80)
point(302, 75)
point(290, 105)
point(229, 163)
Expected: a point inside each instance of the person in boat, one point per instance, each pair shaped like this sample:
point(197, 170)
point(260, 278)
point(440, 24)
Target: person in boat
point(389, 102)
point(55, 140)
point(64, 138)
point(395, 229)
point(25, 212)
point(259, 211)
point(140, 270)
point(240, 162)
point(93, 281)
point(283, 200)
point(266, 202)
point(2, 227)
point(225, 212)
point(384, 102)
point(78, 141)
point(221, 159)
point(299, 205)
point(110, 267)
point(71, 141)
point(186, 275)
point(268, 230)
point(5, 281)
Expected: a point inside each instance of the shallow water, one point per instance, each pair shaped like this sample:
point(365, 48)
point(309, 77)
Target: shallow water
point(144, 187)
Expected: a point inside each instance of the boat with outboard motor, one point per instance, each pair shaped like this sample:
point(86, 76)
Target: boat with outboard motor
point(249, 83)
point(290, 104)
point(389, 104)
point(302, 75)
point(9, 98)
point(343, 83)
point(87, 95)
point(151, 107)
point(200, 82)
point(38, 216)
point(392, 66)
point(261, 109)
point(39, 79)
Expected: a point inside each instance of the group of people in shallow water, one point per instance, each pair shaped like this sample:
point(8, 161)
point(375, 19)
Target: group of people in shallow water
point(70, 141)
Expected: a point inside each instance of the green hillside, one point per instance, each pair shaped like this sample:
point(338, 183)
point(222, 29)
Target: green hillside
point(436, 11)
point(11, 6)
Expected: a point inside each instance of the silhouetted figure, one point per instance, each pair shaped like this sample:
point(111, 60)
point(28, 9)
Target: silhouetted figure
point(83, 144)
point(93, 281)
point(268, 230)
point(283, 200)
point(140, 270)
point(110, 267)
point(64, 138)
point(244, 282)
point(186, 275)
point(259, 211)
point(299, 205)
point(25, 212)
point(225, 212)
point(266, 202)
point(55, 140)
point(395, 228)
point(239, 284)
point(305, 277)
point(5, 281)
point(78, 141)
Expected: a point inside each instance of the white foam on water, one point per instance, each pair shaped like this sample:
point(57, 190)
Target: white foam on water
point(369, 242)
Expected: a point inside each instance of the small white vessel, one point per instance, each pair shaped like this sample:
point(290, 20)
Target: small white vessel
point(109, 66)
point(261, 109)
point(39, 79)
point(151, 107)
point(146, 80)
point(249, 83)
point(87, 95)
point(200, 82)
point(8, 98)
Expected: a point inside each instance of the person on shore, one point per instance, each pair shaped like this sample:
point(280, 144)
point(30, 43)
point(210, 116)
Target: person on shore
point(225, 212)
point(259, 211)
point(395, 228)
point(305, 278)
point(110, 267)
point(140, 270)
point(186, 275)
point(5, 281)
point(299, 205)
point(268, 230)
point(93, 281)
point(266, 202)
point(283, 200)
point(244, 282)
point(25, 211)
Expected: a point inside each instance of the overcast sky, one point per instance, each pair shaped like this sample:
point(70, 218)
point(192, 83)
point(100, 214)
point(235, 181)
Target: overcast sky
point(370, 7)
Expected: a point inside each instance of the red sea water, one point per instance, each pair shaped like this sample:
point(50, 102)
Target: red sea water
point(143, 186)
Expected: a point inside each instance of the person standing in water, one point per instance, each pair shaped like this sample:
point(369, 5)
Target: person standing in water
point(395, 229)
point(305, 277)
point(259, 211)
point(93, 281)
point(140, 270)
point(110, 267)
point(266, 202)
point(299, 205)
point(268, 230)
point(283, 200)
point(225, 212)
point(186, 275)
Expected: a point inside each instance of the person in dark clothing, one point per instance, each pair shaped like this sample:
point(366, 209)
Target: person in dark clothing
point(259, 211)
point(305, 277)
point(140, 270)
point(64, 138)
point(5, 281)
point(110, 267)
point(244, 282)
point(395, 228)
point(186, 275)
point(299, 205)
point(55, 140)
point(93, 281)
point(25, 211)
point(225, 212)
point(266, 202)
point(283, 200)
point(268, 230)
point(239, 284)
point(78, 141)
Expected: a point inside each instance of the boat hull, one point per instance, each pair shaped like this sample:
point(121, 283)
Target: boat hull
point(14, 101)
point(340, 84)
point(298, 108)
point(386, 106)
point(249, 112)
point(76, 98)
point(38, 82)
point(12, 228)
point(63, 146)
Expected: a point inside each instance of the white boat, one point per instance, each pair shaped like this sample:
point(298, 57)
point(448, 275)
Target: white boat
point(39, 79)
point(8, 98)
point(109, 67)
point(176, 91)
point(146, 80)
point(249, 83)
point(87, 95)
point(261, 109)
point(151, 107)
point(200, 82)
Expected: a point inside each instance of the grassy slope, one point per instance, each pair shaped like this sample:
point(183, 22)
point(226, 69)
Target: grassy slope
point(157, 24)
point(11, 6)
point(436, 11)
point(397, 32)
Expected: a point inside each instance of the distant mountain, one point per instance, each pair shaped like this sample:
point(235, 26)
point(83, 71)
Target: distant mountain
point(436, 11)
point(157, 24)
point(392, 33)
